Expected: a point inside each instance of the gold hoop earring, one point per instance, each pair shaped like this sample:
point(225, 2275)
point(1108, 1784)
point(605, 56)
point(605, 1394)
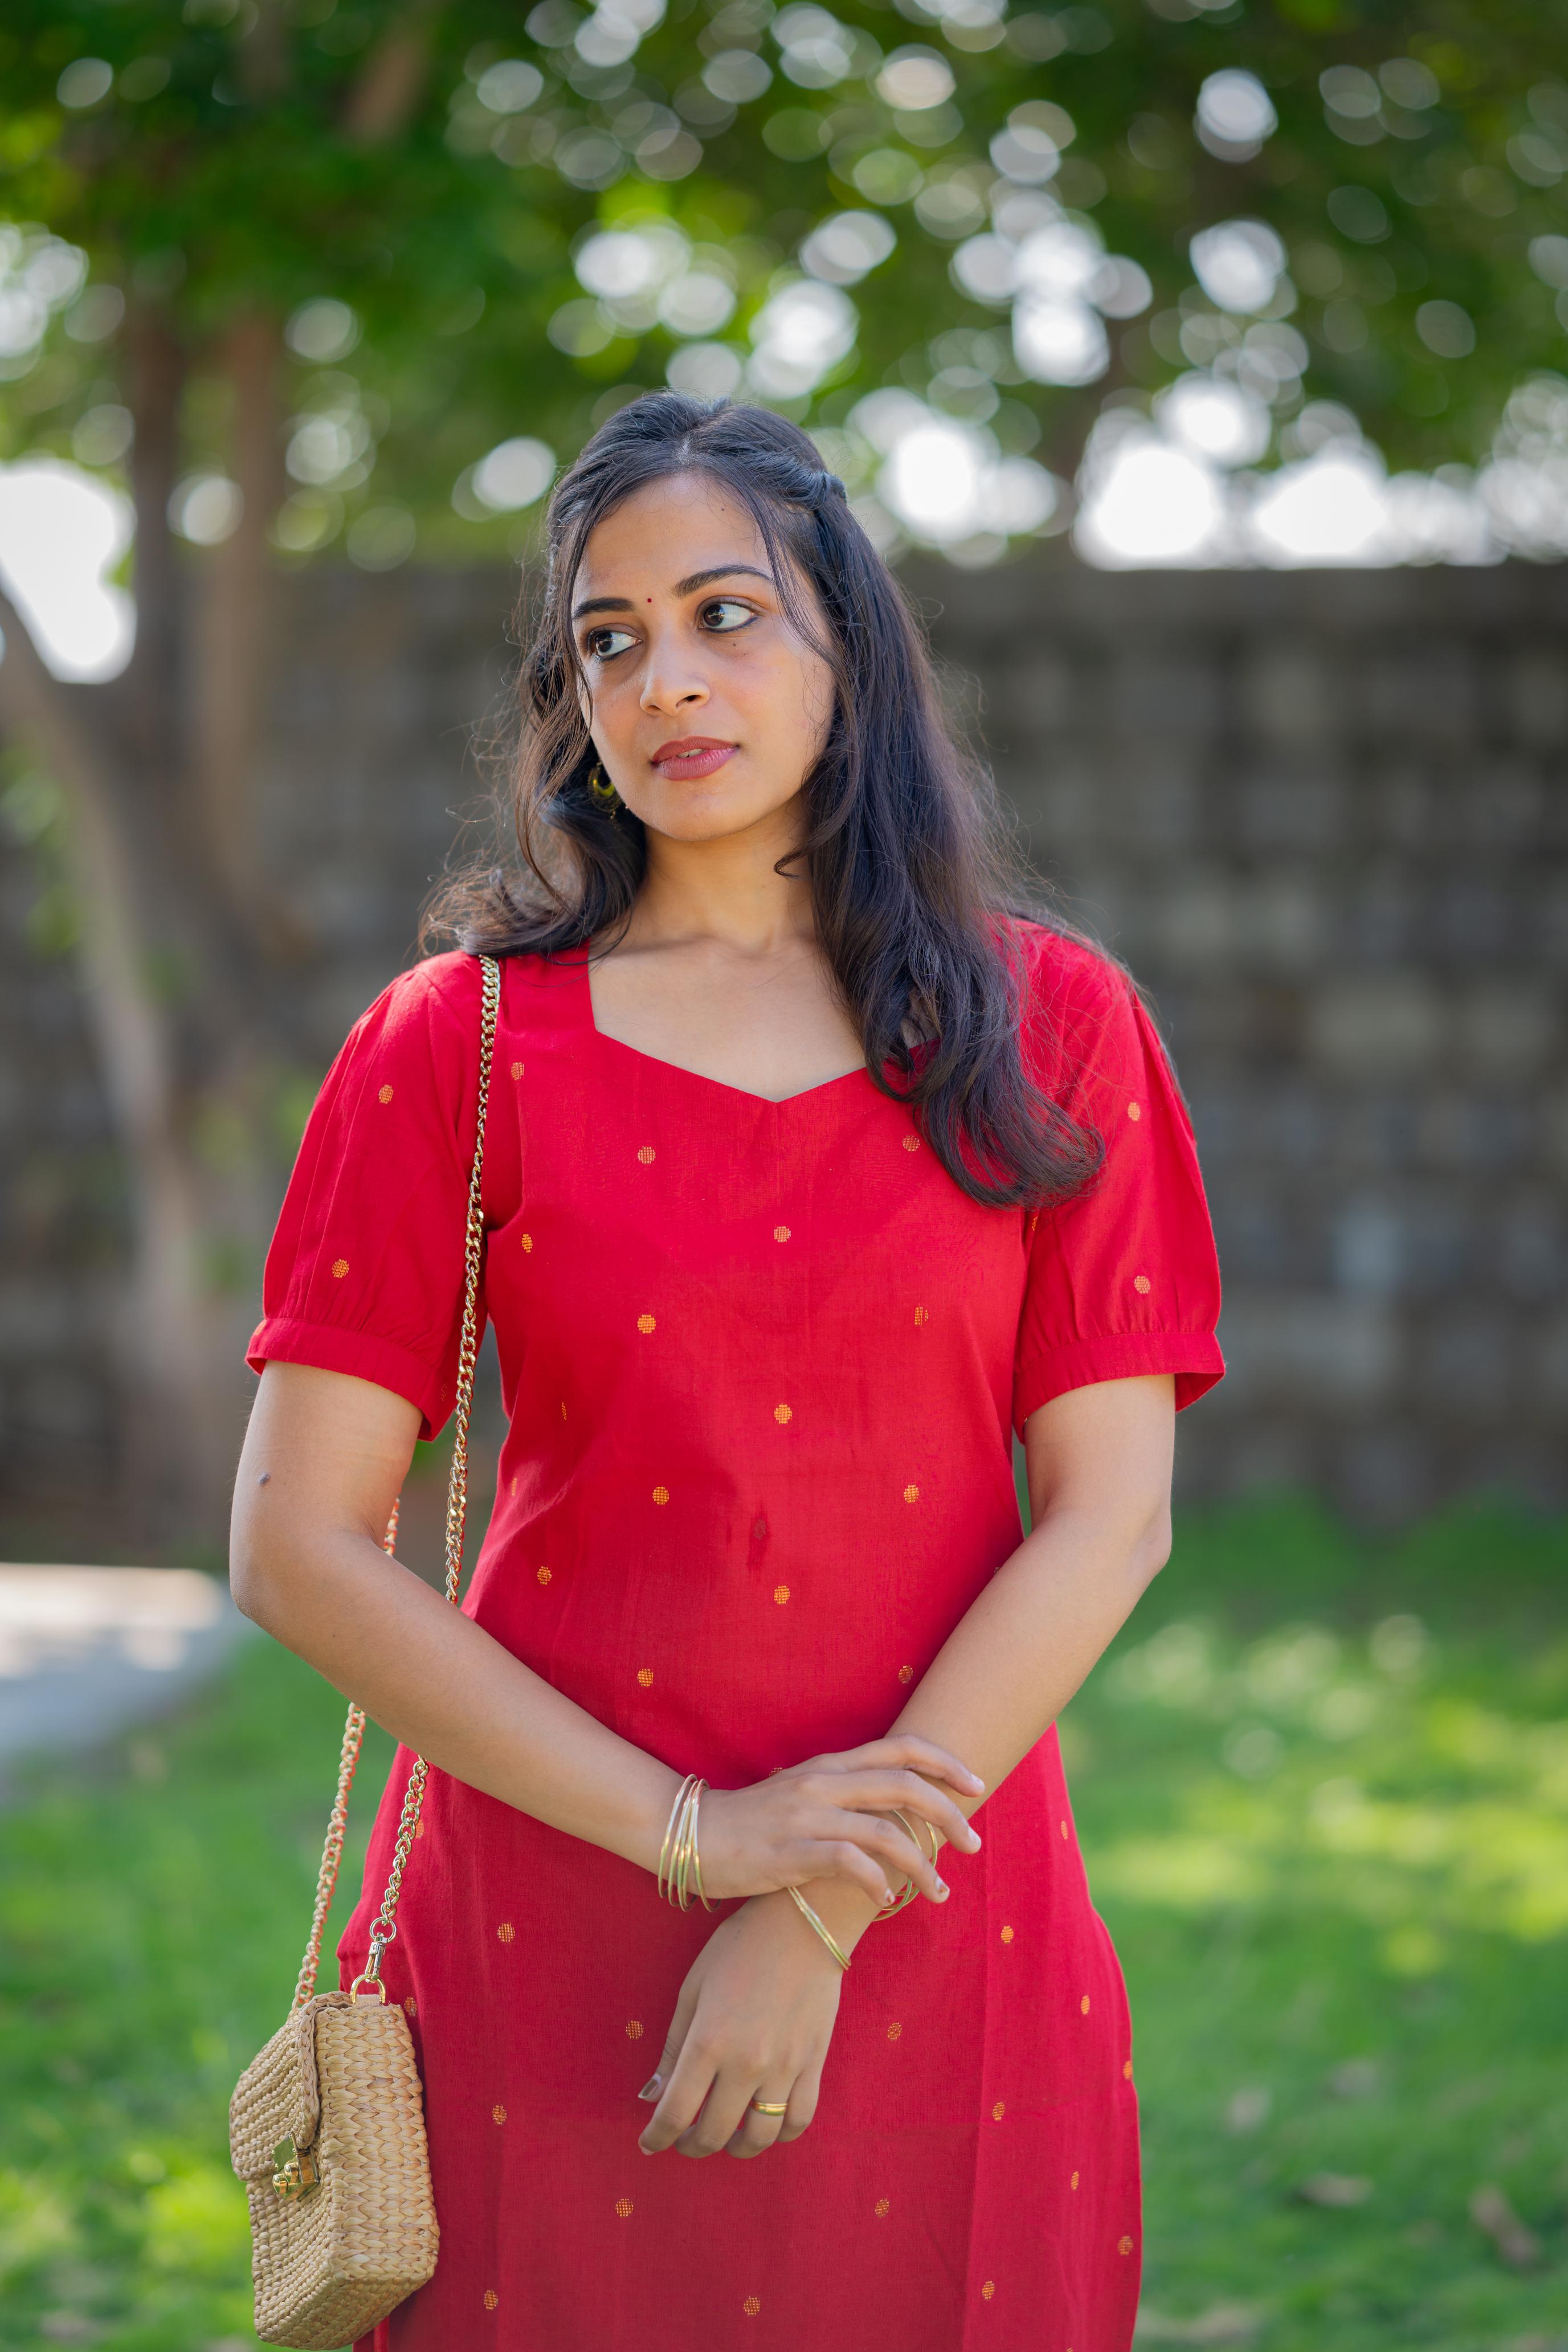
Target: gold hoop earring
point(601, 787)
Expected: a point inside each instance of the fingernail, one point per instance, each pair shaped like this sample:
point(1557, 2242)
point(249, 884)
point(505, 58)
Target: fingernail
point(650, 2088)
point(976, 1836)
point(943, 1889)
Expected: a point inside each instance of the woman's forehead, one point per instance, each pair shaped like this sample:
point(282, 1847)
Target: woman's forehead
point(670, 529)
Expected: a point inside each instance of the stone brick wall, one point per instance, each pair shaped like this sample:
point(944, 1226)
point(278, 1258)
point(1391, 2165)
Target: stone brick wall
point(1323, 816)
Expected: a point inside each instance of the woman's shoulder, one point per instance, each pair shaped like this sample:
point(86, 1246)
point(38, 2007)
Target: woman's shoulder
point(1082, 1023)
point(432, 1003)
point(440, 998)
point(1064, 976)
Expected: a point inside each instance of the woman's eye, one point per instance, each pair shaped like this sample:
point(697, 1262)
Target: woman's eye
point(603, 642)
point(726, 613)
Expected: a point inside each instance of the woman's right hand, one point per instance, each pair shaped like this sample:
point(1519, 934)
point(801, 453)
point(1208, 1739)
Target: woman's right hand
point(825, 1818)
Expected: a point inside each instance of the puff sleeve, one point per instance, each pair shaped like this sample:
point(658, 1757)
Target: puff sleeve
point(364, 1274)
point(1124, 1278)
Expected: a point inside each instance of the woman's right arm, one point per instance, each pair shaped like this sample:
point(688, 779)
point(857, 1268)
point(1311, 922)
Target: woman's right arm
point(323, 1462)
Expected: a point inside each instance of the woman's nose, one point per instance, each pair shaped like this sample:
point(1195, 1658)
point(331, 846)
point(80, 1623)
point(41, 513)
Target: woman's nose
point(666, 687)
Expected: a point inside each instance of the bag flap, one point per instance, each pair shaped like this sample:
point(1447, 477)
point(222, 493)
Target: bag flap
point(278, 2097)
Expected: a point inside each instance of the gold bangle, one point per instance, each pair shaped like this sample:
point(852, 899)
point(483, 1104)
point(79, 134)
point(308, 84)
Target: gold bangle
point(683, 1845)
point(675, 1811)
point(677, 1889)
point(798, 1899)
point(695, 1856)
point(683, 1858)
point(891, 1903)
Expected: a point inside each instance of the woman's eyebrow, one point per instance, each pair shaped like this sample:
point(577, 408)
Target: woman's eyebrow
point(720, 572)
point(687, 587)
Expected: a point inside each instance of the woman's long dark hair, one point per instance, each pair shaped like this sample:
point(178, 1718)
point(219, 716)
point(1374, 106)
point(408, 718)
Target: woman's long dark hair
point(910, 881)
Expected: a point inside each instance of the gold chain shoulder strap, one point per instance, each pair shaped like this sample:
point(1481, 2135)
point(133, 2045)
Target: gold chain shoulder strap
point(385, 1927)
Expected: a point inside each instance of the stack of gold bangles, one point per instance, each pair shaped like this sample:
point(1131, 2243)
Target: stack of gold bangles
point(679, 1848)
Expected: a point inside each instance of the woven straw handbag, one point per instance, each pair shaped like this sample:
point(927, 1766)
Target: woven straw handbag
point(327, 2125)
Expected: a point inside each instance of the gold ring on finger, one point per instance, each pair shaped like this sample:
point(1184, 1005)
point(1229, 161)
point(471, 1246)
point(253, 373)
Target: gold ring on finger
point(771, 2106)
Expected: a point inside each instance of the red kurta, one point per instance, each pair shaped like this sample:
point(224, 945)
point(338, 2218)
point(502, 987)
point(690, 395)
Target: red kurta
point(761, 1364)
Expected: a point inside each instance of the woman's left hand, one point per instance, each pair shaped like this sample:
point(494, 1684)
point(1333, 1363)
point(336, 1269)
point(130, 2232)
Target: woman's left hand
point(753, 2021)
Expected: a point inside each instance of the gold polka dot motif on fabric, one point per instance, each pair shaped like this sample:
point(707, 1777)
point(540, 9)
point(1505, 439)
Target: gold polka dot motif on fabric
point(1125, 2245)
point(543, 1574)
point(646, 1324)
point(645, 1676)
point(527, 1243)
point(911, 1144)
point(633, 2029)
point(623, 2206)
point(989, 2289)
point(661, 1495)
point(517, 1069)
point(911, 1494)
point(752, 2305)
point(881, 2208)
point(781, 1593)
point(1064, 1833)
point(1134, 1112)
point(998, 2111)
point(384, 1095)
point(894, 2032)
point(340, 1267)
point(1127, 2070)
point(906, 1673)
point(781, 1233)
point(646, 1154)
point(783, 1412)
point(506, 1932)
point(412, 2006)
point(498, 2115)
point(1142, 1284)
point(491, 2298)
point(1006, 1935)
point(1083, 2005)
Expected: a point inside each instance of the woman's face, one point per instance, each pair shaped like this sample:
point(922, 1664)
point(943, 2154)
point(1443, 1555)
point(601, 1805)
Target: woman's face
point(706, 708)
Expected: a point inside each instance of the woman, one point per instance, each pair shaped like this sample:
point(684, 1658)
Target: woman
point(811, 1172)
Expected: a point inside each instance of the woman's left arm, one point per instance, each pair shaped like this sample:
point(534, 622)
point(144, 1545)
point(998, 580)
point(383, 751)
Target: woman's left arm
point(1099, 1495)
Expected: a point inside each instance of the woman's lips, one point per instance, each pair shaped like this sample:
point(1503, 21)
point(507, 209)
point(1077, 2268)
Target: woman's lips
point(691, 757)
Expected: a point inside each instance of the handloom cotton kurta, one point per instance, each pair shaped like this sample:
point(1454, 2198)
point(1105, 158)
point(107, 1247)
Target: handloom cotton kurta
point(761, 1364)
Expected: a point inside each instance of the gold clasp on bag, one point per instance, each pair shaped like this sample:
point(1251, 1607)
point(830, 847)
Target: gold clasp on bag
point(294, 2174)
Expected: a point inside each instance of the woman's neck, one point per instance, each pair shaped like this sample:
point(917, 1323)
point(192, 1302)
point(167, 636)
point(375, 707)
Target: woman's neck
point(725, 889)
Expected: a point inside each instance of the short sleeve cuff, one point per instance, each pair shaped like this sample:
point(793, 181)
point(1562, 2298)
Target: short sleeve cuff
point(280, 1339)
point(1193, 1357)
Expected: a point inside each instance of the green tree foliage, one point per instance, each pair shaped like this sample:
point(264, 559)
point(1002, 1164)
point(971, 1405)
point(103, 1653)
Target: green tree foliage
point(436, 167)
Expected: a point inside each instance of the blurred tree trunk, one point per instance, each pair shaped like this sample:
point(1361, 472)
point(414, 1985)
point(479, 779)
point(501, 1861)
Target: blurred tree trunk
point(189, 958)
point(155, 770)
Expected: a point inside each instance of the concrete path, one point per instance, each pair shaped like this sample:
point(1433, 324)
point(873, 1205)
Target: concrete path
point(84, 1651)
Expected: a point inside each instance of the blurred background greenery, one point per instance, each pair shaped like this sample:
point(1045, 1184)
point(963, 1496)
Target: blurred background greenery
point(1323, 1788)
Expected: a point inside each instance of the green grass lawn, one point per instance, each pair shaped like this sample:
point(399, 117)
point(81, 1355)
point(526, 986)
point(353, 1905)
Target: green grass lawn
point(1323, 1790)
